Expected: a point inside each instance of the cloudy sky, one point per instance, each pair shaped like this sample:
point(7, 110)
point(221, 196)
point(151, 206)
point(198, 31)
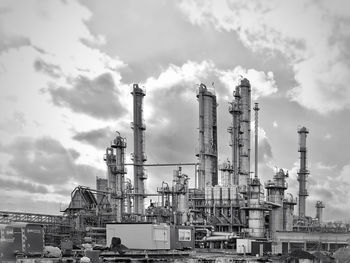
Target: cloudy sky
point(67, 68)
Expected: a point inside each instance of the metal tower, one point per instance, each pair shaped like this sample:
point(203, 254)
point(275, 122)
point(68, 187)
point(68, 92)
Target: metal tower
point(275, 198)
point(235, 110)
point(115, 160)
point(139, 156)
point(244, 150)
point(319, 211)
point(207, 154)
point(303, 172)
point(256, 109)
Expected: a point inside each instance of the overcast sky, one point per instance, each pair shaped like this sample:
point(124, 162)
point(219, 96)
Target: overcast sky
point(67, 68)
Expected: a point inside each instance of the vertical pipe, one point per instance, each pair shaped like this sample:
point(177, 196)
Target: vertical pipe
point(207, 154)
point(303, 172)
point(234, 109)
point(256, 109)
point(245, 134)
point(115, 160)
point(319, 211)
point(139, 156)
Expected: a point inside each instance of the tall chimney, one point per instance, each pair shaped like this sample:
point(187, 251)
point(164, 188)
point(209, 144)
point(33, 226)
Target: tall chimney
point(139, 156)
point(244, 153)
point(256, 109)
point(235, 110)
point(303, 172)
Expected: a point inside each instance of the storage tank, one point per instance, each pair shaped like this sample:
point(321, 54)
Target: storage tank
point(217, 194)
point(225, 195)
point(233, 194)
point(209, 195)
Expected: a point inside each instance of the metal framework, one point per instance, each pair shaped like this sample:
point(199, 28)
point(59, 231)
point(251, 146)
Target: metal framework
point(7, 217)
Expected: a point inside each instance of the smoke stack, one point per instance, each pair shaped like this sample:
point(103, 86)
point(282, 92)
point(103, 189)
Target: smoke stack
point(256, 109)
point(303, 172)
point(244, 151)
point(139, 156)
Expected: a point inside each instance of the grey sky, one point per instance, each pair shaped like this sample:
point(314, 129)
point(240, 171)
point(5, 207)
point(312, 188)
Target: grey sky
point(66, 71)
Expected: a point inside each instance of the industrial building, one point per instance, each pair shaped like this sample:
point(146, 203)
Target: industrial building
point(239, 213)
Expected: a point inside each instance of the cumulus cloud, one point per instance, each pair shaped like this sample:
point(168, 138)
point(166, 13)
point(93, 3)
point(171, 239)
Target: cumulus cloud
point(13, 124)
point(191, 73)
point(54, 39)
point(99, 138)
point(262, 84)
point(7, 184)
point(97, 97)
point(314, 42)
point(47, 161)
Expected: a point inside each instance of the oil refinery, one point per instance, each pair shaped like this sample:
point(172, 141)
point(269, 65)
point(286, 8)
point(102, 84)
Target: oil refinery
point(229, 208)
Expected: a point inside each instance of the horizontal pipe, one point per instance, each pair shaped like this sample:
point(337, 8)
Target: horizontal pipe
point(215, 233)
point(161, 164)
point(217, 238)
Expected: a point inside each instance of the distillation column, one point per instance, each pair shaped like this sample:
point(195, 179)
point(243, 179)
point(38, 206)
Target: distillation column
point(234, 109)
point(256, 110)
point(303, 172)
point(208, 159)
point(139, 156)
point(115, 160)
point(275, 198)
point(244, 154)
point(319, 211)
point(256, 208)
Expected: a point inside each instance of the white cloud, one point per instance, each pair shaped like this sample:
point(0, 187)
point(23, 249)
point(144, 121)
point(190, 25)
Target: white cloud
point(328, 136)
point(322, 166)
point(48, 43)
point(192, 73)
point(275, 124)
point(313, 36)
point(262, 84)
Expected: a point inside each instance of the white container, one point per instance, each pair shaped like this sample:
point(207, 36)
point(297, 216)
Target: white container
point(140, 236)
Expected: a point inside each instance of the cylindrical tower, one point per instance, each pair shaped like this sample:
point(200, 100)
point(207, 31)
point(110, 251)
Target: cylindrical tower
point(208, 159)
point(244, 154)
point(235, 110)
point(256, 220)
point(275, 196)
point(256, 109)
point(139, 156)
point(303, 172)
point(319, 211)
point(101, 185)
point(288, 212)
point(226, 174)
point(115, 160)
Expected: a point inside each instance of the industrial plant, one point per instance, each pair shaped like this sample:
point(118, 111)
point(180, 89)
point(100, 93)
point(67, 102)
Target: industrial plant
point(229, 208)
